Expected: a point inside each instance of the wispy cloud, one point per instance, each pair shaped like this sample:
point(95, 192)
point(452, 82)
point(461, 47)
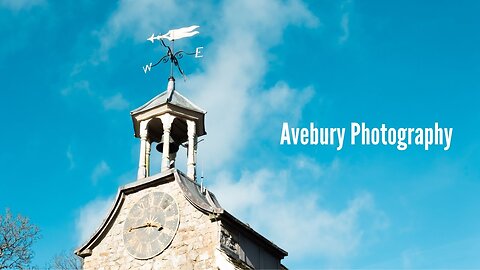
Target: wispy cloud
point(17, 5)
point(234, 77)
point(81, 86)
point(138, 19)
point(269, 201)
point(99, 171)
point(345, 8)
point(236, 72)
point(237, 61)
point(409, 257)
point(309, 164)
point(90, 217)
point(115, 102)
point(70, 159)
point(271, 103)
point(344, 24)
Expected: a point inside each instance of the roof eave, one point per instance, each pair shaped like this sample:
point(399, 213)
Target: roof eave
point(225, 215)
point(200, 115)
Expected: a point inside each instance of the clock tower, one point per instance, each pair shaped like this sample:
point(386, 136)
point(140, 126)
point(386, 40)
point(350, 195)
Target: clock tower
point(167, 220)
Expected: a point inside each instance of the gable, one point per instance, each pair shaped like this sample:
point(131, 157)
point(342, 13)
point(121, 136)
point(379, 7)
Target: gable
point(107, 246)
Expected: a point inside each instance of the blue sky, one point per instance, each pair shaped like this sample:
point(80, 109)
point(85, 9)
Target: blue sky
point(71, 72)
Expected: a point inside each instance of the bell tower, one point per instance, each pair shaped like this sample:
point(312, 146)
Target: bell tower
point(167, 220)
point(171, 120)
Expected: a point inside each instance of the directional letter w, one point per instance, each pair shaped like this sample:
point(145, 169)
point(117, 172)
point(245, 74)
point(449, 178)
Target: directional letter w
point(147, 68)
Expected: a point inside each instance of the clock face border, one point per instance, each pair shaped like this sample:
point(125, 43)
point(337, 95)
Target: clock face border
point(175, 230)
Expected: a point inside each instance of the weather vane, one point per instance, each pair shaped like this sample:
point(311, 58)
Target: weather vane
point(171, 55)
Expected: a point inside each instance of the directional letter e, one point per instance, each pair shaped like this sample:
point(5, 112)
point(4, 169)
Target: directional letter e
point(198, 53)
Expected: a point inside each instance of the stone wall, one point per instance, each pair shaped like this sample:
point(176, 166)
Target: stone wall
point(193, 247)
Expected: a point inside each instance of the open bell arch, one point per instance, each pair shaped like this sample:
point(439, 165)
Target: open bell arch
point(170, 120)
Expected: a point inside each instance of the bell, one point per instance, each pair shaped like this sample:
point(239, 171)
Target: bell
point(173, 146)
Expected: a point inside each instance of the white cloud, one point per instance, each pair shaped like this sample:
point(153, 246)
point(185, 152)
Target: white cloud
point(409, 257)
point(137, 20)
point(99, 171)
point(344, 24)
point(115, 102)
point(279, 103)
point(17, 5)
point(70, 159)
point(270, 202)
point(441, 255)
point(345, 21)
point(90, 217)
point(78, 86)
point(232, 87)
point(311, 167)
point(235, 63)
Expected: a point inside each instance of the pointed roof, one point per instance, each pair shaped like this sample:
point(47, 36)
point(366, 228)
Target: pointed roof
point(161, 99)
point(177, 104)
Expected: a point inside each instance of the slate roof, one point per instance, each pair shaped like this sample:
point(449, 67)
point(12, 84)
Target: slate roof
point(161, 99)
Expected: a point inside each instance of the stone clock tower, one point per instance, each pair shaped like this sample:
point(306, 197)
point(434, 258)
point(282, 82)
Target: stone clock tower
point(167, 220)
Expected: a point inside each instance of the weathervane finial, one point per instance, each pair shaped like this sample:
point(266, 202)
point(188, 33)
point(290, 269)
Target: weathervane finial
point(171, 55)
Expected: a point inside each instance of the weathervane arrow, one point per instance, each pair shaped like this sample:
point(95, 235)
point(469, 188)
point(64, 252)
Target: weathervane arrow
point(171, 55)
point(176, 34)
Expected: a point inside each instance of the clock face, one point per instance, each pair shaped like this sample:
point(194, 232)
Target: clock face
point(150, 225)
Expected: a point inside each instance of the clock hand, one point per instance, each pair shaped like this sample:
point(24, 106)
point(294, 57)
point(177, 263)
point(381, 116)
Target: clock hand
point(137, 227)
point(148, 224)
point(154, 224)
